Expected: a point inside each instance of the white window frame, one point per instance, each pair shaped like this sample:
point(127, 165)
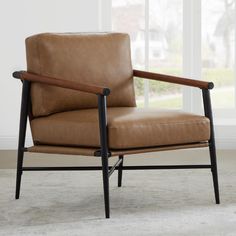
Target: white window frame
point(224, 119)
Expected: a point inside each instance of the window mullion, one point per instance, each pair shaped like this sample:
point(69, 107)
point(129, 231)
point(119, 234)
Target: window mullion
point(187, 55)
point(235, 57)
point(197, 53)
point(191, 52)
point(146, 59)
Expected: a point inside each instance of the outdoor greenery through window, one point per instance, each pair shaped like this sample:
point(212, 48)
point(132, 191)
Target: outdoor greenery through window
point(163, 28)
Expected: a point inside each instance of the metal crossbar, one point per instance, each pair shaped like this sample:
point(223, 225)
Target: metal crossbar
point(115, 167)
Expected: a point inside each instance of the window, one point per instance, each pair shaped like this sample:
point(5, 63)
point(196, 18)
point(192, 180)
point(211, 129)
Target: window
point(218, 40)
point(129, 16)
point(155, 28)
point(194, 38)
point(165, 50)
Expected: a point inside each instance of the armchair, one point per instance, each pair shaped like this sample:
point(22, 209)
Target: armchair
point(79, 96)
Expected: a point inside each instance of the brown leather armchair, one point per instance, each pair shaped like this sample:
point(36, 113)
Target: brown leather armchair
point(79, 96)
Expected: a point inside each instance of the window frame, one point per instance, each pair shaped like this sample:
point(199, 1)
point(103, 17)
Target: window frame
point(192, 57)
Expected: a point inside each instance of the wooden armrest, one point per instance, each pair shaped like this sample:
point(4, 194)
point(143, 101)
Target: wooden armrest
point(23, 75)
point(173, 79)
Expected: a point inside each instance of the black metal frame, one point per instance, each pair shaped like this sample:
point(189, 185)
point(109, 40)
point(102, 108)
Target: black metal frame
point(104, 152)
point(22, 130)
point(208, 113)
point(102, 110)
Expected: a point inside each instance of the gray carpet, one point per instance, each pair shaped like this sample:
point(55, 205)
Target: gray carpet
point(149, 203)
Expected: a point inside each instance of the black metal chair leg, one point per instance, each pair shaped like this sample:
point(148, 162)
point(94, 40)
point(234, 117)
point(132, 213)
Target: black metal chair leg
point(19, 172)
point(22, 131)
point(102, 109)
point(214, 172)
point(105, 170)
point(212, 149)
point(120, 170)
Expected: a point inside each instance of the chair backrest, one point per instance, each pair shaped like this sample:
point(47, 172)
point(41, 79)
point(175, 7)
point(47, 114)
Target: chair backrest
point(101, 59)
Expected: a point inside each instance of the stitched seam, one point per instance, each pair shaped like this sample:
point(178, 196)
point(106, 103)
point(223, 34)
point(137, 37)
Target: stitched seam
point(171, 123)
point(40, 69)
point(39, 56)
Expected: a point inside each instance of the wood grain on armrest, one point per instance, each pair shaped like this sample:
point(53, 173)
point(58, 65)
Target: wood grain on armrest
point(23, 75)
point(174, 79)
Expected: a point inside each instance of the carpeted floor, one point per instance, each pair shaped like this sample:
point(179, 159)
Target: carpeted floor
point(160, 202)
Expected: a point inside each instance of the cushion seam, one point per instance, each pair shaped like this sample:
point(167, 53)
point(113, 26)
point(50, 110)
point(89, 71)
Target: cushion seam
point(170, 123)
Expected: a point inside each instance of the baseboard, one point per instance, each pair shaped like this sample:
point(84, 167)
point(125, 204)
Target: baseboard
point(225, 137)
point(178, 157)
point(226, 143)
point(10, 142)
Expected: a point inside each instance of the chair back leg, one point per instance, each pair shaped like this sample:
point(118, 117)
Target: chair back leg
point(105, 174)
point(22, 131)
point(120, 170)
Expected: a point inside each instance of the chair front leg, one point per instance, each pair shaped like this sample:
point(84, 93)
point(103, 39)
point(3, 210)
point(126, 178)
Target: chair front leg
point(104, 151)
point(22, 131)
point(212, 149)
point(120, 170)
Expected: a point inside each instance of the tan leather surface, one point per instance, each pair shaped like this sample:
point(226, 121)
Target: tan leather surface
point(90, 151)
point(62, 150)
point(98, 59)
point(158, 149)
point(127, 128)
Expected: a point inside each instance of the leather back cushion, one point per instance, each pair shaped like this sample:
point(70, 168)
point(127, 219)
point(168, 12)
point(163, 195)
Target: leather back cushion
point(99, 59)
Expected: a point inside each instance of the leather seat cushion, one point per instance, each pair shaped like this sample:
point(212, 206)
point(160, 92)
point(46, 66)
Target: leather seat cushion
point(127, 128)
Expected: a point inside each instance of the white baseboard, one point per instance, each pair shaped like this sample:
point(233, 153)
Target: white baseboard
point(226, 143)
point(225, 136)
point(10, 142)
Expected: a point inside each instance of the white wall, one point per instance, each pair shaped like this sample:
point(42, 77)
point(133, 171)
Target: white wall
point(19, 19)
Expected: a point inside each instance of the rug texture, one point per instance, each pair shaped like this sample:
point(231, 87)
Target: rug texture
point(160, 202)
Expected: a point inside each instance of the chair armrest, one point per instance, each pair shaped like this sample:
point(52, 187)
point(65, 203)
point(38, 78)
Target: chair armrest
point(174, 79)
point(23, 75)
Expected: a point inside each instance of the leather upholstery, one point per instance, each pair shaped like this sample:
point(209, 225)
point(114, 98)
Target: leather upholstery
point(91, 151)
point(127, 128)
point(98, 59)
point(62, 150)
